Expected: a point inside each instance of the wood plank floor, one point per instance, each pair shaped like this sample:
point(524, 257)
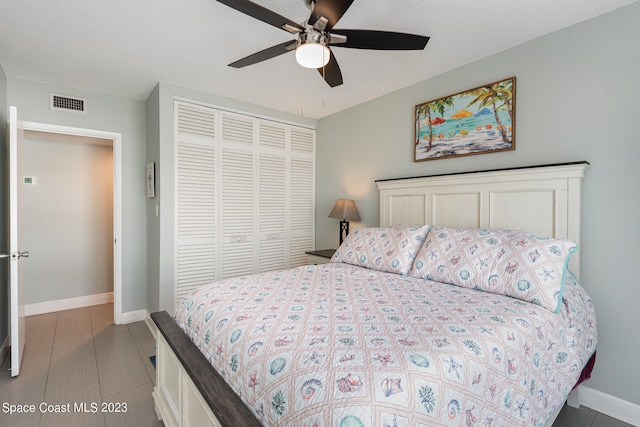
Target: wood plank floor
point(80, 356)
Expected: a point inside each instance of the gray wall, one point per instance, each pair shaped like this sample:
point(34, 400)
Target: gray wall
point(160, 148)
point(576, 99)
point(67, 218)
point(4, 296)
point(112, 114)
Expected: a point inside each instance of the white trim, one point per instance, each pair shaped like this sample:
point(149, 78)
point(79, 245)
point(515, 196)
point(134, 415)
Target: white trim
point(117, 228)
point(615, 407)
point(436, 199)
point(133, 316)
point(573, 400)
point(243, 112)
point(152, 326)
point(67, 304)
point(117, 198)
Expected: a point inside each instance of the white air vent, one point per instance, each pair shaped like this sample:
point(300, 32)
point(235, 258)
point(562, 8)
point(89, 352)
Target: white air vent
point(67, 103)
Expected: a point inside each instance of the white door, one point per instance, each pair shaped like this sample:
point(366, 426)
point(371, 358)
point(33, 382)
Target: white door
point(16, 265)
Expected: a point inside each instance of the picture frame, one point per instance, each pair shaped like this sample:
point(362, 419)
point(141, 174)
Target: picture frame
point(475, 121)
point(151, 180)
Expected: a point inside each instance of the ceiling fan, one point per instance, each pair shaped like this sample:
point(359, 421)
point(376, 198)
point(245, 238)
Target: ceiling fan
point(317, 34)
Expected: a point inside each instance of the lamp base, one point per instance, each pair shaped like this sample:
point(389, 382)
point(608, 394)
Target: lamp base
point(344, 230)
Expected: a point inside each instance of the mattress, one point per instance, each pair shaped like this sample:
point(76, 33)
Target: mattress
point(341, 345)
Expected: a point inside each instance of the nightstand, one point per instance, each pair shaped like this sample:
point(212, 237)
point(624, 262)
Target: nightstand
point(321, 256)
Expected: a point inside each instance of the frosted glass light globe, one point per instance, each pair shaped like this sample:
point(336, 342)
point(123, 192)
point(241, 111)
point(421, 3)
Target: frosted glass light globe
point(312, 55)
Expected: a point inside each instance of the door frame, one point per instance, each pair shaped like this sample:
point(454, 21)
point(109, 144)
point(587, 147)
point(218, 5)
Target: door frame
point(117, 197)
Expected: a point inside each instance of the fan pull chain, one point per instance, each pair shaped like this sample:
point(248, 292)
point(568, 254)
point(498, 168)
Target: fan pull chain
point(324, 77)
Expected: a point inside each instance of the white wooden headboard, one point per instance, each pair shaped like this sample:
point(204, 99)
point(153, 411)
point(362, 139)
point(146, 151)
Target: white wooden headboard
point(544, 200)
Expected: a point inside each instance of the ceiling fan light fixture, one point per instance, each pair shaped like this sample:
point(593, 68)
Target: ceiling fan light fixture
point(312, 50)
point(315, 36)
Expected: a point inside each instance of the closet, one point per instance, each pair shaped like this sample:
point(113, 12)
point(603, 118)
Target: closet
point(245, 194)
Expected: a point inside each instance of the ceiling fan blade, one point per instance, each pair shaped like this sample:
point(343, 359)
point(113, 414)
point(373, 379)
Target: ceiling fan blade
point(330, 9)
point(331, 72)
point(263, 14)
point(265, 54)
point(380, 40)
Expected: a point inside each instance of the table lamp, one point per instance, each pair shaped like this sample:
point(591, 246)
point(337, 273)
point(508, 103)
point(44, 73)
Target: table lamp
point(345, 210)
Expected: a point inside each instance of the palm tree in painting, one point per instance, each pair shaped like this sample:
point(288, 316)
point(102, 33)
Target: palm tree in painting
point(497, 96)
point(442, 104)
point(505, 92)
point(424, 110)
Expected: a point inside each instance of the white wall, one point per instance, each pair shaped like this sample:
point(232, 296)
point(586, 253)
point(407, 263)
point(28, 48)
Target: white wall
point(68, 218)
point(576, 99)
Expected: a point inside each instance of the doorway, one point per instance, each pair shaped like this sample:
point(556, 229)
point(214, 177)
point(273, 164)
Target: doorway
point(79, 144)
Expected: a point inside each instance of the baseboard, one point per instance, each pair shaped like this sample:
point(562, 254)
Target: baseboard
point(67, 304)
point(610, 405)
point(134, 316)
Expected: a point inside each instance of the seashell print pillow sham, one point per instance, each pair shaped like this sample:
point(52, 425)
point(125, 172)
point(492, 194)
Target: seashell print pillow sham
point(389, 249)
point(507, 262)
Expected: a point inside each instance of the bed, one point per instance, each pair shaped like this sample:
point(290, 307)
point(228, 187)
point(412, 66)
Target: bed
point(457, 318)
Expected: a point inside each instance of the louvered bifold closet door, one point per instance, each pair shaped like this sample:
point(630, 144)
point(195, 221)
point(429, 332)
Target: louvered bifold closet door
point(302, 195)
point(238, 208)
point(272, 196)
point(196, 216)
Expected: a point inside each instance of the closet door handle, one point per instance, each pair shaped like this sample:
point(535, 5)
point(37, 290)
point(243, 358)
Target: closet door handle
point(24, 254)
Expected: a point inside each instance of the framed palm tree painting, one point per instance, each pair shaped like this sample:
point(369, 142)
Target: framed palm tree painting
point(476, 121)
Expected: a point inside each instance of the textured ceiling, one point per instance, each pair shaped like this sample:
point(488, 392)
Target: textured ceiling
point(124, 47)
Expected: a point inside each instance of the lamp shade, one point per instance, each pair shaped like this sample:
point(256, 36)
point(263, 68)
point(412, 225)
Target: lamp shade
point(345, 209)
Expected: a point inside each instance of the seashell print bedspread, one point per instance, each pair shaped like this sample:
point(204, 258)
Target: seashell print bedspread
point(340, 345)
